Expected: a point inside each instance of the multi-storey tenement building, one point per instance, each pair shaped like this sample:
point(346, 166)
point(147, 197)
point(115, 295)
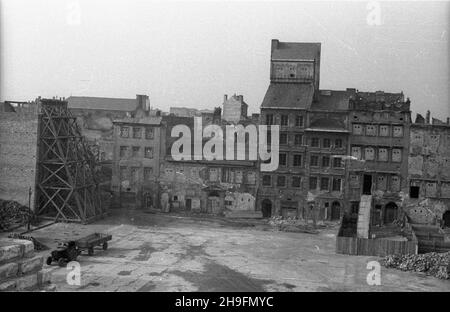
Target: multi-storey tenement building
point(327, 137)
point(138, 142)
point(294, 82)
point(429, 172)
point(379, 144)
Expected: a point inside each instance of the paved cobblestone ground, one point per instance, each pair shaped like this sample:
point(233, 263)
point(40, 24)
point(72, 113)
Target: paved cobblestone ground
point(153, 252)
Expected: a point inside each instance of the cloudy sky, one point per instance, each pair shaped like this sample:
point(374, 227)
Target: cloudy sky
point(192, 53)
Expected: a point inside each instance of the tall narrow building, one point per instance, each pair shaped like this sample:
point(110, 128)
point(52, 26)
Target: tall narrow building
point(294, 84)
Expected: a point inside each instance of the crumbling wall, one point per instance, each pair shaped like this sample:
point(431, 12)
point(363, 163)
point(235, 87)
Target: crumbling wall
point(18, 149)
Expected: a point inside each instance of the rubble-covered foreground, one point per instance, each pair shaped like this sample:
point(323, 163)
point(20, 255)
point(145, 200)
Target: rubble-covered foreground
point(13, 214)
point(435, 264)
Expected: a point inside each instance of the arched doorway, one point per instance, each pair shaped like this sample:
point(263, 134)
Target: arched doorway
point(446, 218)
point(266, 208)
point(148, 200)
point(335, 210)
point(390, 212)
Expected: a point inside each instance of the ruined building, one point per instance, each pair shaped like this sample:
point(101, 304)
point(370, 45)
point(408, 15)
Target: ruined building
point(234, 108)
point(379, 144)
point(429, 172)
point(138, 145)
point(227, 187)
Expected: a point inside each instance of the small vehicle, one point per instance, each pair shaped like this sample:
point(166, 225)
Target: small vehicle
point(64, 253)
point(89, 242)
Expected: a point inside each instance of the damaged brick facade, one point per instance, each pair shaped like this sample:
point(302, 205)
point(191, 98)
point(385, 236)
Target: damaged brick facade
point(379, 144)
point(138, 146)
point(18, 152)
point(429, 172)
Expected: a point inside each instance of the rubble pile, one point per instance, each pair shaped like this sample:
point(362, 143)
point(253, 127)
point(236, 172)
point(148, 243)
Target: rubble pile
point(13, 214)
point(291, 225)
point(433, 263)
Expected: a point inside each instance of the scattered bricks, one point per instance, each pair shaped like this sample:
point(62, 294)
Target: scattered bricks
point(9, 251)
point(27, 282)
point(8, 286)
point(44, 277)
point(28, 265)
point(8, 270)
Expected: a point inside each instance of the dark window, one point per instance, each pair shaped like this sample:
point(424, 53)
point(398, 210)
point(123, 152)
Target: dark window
point(298, 139)
point(324, 184)
point(296, 181)
point(337, 184)
point(283, 138)
point(281, 181)
point(137, 134)
point(297, 161)
point(284, 120)
point(337, 162)
point(123, 151)
point(299, 121)
point(326, 161)
point(148, 152)
point(269, 119)
point(314, 160)
point(355, 207)
point(315, 142)
point(149, 133)
point(283, 159)
point(414, 191)
point(338, 143)
point(267, 180)
point(148, 173)
point(136, 150)
point(326, 143)
point(313, 183)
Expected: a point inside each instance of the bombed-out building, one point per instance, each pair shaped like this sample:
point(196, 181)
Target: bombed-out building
point(138, 147)
point(378, 168)
point(429, 172)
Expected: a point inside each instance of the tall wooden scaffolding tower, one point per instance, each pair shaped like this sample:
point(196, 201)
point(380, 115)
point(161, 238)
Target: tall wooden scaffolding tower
point(67, 189)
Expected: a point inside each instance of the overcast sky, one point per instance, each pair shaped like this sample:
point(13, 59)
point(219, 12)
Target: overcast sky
point(192, 53)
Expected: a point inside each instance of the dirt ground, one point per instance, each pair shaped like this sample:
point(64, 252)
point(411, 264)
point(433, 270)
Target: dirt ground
point(156, 252)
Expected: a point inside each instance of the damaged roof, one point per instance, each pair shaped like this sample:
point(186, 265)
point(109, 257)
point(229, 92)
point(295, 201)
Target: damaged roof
point(333, 100)
point(288, 95)
point(102, 103)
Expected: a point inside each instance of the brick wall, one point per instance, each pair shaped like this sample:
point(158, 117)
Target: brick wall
point(18, 145)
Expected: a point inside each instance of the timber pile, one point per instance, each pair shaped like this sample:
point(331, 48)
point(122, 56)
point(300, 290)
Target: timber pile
point(433, 263)
point(13, 214)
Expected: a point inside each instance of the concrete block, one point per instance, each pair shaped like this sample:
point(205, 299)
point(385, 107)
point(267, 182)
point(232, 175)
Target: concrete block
point(27, 247)
point(8, 286)
point(8, 270)
point(27, 282)
point(9, 251)
point(27, 265)
point(44, 277)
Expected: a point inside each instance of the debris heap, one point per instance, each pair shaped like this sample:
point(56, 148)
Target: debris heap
point(13, 214)
point(433, 263)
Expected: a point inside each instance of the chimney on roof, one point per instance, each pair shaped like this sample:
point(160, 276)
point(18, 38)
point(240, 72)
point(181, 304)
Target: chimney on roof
point(427, 119)
point(241, 98)
point(448, 121)
point(274, 44)
point(225, 98)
